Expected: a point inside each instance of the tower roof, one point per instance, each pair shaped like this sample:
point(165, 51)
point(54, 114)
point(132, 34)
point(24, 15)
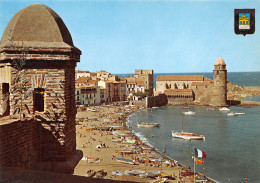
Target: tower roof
point(37, 25)
point(220, 61)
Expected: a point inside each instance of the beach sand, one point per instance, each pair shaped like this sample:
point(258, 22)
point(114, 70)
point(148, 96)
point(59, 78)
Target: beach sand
point(87, 145)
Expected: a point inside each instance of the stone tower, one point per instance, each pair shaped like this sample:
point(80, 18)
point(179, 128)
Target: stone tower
point(219, 97)
point(37, 35)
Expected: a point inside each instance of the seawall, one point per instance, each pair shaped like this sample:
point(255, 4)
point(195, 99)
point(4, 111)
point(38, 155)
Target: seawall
point(156, 101)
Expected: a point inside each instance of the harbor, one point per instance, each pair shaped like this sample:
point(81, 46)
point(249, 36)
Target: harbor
point(231, 142)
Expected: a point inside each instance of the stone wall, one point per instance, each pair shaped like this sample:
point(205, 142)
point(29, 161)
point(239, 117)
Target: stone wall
point(19, 145)
point(156, 101)
point(179, 101)
point(203, 94)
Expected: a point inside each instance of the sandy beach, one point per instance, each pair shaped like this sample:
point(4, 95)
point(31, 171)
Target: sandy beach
point(102, 152)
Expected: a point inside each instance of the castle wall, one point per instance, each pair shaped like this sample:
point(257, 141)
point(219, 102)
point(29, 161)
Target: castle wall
point(203, 94)
point(179, 100)
point(19, 145)
point(156, 101)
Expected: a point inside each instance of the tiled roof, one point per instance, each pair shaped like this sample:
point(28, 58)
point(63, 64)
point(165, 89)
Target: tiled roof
point(204, 83)
point(180, 78)
point(207, 79)
point(82, 79)
point(139, 82)
point(92, 82)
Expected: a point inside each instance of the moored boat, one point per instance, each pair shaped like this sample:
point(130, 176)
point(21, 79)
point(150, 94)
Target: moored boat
point(188, 136)
point(231, 114)
point(147, 125)
point(189, 113)
point(240, 113)
point(224, 109)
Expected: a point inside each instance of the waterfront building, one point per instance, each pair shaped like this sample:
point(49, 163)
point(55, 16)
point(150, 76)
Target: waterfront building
point(196, 89)
point(87, 95)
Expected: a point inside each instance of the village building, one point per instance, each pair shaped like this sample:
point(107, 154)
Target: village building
point(82, 81)
point(87, 95)
point(82, 74)
point(103, 75)
point(196, 89)
point(147, 77)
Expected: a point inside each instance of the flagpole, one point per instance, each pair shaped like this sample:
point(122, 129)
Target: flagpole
point(194, 169)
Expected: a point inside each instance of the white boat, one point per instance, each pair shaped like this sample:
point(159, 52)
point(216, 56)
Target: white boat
point(147, 125)
point(122, 133)
point(224, 109)
point(187, 135)
point(155, 107)
point(231, 114)
point(240, 113)
point(189, 113)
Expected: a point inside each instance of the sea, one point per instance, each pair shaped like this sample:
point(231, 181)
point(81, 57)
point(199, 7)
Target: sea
point(232, 143)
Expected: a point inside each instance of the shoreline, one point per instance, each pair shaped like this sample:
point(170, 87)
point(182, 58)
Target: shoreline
point(110, 111)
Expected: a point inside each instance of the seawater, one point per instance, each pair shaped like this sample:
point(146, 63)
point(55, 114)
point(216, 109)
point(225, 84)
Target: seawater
point(232, 143)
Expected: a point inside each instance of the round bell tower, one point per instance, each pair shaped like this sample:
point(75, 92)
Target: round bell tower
point(219, 83)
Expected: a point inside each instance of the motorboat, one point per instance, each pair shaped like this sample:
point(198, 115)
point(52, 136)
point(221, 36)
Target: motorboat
point(240, 113)
point(147, 125)
point(224, 109)
point(189, 113)
point(231, 114)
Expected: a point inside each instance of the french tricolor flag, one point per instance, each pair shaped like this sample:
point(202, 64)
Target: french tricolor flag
point(199, 153)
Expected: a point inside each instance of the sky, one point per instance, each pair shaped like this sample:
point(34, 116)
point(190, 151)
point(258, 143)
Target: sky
point(170, 36)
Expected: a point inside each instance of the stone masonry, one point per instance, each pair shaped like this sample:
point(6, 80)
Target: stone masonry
point(41, 40)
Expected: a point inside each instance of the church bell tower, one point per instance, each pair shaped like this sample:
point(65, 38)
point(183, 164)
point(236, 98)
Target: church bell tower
point(219, 97)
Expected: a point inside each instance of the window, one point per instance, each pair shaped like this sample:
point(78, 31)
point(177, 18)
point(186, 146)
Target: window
point(38, 99)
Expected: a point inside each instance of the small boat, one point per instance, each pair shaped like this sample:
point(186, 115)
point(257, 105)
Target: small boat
point(130, 141)
point(210, 108)
point(240, 113)
point(127, 161)
point(155, 107)
point(224, 109)
point(189, 113)
point(100, 174)
point(122, 133)
point(90, 173)
point(134, 172)
point(117, 140)
point(231, 114)
point(187, 135)
point(117, 173)
point(147, 125)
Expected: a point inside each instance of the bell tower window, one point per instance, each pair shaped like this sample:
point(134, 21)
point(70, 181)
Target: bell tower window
point(38, 102)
